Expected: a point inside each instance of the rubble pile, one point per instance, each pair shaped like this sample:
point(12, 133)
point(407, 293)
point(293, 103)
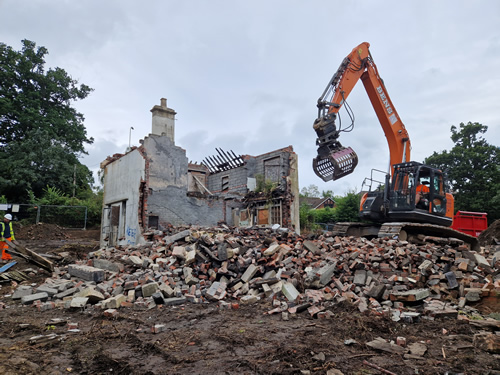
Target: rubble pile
point(491, 235)
point(233, 266)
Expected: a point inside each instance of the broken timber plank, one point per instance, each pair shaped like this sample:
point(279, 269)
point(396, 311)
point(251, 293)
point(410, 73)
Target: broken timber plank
point(34, 257)
point(7, 266)
point(14, 275)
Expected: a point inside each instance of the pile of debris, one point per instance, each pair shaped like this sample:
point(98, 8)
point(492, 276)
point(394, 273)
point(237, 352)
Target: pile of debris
point(233, 266)
point(491, 235)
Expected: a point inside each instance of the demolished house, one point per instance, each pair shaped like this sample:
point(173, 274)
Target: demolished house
point(153, 186)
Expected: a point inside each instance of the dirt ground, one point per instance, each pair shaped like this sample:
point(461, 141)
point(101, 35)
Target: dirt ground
point(206, 339)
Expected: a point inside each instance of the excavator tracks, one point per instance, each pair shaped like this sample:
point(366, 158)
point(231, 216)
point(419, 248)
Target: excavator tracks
point(411, 232)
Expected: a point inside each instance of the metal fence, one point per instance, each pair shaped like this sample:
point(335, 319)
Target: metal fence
point(64, 216)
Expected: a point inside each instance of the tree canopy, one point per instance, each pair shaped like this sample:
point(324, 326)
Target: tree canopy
point(311, 191)
point(41, 134)
point(473, 169)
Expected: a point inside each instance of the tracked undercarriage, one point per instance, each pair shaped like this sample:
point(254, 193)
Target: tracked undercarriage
point(411, 232)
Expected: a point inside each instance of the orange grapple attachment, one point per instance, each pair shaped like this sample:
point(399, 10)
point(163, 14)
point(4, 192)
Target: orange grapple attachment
point(336, 164)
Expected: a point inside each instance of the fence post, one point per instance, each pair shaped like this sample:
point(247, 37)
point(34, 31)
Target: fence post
point(37, 220)
point(85, 222)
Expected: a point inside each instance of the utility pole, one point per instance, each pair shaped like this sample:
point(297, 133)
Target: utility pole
point(74, 181)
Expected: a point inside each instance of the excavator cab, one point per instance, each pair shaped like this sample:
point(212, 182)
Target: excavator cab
point(417, 193)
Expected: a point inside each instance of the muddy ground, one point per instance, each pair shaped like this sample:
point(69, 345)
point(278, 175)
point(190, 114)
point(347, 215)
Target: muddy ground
point(205, 339)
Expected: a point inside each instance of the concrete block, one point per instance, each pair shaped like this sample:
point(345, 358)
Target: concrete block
point(149, 289)
point(326, 273)
point(249, 273)
point(78, 301)
point(66, 293)
point(289, 291)
point(410, 295)
point(175, 301)
point(166, 290)
point(217, 291)
point(118, 290)
point(249, 299)
point(472, 296)
point(309, 245)
point(276, 288)
point(179, 252)
point(158, 298)
point(267, 290)
point(269, 275)
point(481, 261)
point(425, 265)
point(135, 260)
point(222, 252)
point(176, 237)
point(86, 272)
point(114, 302)
point(191, 280)
point(44, 288)
point(22, 291)
point(452, 280)
point(237, 286)
point(359, 277)
point(377, 291)
point(91, 294)
point(28, 300)
point(190, 257)
point(271, 250)
point(131, 296)
point(108, 265)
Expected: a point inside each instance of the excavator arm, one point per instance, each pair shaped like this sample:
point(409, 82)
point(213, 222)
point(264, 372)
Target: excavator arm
point(333, 160)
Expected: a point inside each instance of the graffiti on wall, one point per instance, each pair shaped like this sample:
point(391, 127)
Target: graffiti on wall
point(131, 235)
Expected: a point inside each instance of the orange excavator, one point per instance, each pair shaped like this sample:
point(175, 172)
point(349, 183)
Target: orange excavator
point(413, 201)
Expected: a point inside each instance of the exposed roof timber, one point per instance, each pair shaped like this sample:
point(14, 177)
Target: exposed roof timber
point(201, 185)
point(223, 162)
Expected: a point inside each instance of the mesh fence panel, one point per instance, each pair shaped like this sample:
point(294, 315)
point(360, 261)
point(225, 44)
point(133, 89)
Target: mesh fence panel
point(64, 216)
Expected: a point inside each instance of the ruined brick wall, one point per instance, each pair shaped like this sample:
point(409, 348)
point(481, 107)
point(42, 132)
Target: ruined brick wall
point(276, 166)
point(254, 165)
point(237, 179)
point(167, 186)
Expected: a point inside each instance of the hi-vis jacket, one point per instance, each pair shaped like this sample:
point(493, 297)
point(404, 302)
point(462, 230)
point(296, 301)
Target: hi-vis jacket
point(11, 231)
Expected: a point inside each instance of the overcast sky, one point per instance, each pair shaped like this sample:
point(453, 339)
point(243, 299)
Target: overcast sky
point(246, 75)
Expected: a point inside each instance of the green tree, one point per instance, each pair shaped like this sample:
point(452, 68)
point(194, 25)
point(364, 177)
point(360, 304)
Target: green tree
point(311, 191)
point(41, 134)
point(473, 169)
point(347, 207)
point(327, 194)
point(307, 218)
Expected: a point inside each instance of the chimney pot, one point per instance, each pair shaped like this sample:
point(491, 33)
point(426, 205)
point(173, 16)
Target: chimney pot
point(163, 102)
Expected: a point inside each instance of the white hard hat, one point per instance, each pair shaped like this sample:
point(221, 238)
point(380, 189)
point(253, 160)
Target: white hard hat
point(8, 216)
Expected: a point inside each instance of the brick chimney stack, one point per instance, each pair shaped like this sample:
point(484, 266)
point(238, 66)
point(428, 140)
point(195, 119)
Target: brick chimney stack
point(163, 120)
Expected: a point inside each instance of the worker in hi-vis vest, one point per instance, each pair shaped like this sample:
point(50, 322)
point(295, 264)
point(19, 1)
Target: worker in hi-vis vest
point(6, 233)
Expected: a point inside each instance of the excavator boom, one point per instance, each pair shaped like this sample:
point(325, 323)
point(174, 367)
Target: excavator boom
point(335, 161)
point(414, 201)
